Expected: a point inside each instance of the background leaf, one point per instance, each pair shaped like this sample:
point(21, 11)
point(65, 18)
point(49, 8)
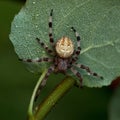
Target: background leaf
point(114, 111)
point(96, 21)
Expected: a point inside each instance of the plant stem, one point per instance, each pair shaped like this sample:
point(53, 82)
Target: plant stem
point(50, 101)
point(30, 109)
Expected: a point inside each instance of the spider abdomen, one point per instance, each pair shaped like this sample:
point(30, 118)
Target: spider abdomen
point(64, 47)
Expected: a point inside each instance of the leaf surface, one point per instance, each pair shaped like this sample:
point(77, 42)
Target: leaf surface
point(97, 22)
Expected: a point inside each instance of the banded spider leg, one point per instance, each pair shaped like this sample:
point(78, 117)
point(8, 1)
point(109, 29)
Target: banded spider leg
point(74, 59)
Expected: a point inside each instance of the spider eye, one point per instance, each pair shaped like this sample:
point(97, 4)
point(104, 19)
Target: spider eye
point(64, 47)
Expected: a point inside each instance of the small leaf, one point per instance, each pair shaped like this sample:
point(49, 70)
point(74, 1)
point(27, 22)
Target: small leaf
point(96, 21)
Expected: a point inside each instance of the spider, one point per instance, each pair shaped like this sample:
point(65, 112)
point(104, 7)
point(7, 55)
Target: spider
point(64, 56)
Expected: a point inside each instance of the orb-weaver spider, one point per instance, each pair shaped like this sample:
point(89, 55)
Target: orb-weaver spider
point(64, 56)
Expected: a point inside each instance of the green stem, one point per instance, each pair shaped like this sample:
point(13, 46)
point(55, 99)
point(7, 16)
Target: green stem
point(51, 100)
point(30, 109)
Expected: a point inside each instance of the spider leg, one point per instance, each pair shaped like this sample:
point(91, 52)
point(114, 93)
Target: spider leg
point(76, 73)
point(45, 47)
point(50, 29)
point(45, 59)
point(88, 70)
point(76, 52)
point(43, 83)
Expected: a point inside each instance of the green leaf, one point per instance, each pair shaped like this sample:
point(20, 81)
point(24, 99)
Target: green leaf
point(97, 22)
point(114, 111)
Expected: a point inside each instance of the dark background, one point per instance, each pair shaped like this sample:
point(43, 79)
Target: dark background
point(17, 84)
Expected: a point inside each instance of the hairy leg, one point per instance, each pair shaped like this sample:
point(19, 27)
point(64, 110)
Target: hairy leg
point(49, 51)
point(76, 73)
point(43, 83)
point(51, 39)
point(77, 52)
point(88, 70)
point(45, 59)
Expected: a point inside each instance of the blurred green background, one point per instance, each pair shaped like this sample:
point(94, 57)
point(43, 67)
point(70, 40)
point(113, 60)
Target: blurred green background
point(16, 83)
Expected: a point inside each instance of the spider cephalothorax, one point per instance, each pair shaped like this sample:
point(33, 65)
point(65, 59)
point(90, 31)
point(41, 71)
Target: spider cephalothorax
point(61, 64)
point(64, 56)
